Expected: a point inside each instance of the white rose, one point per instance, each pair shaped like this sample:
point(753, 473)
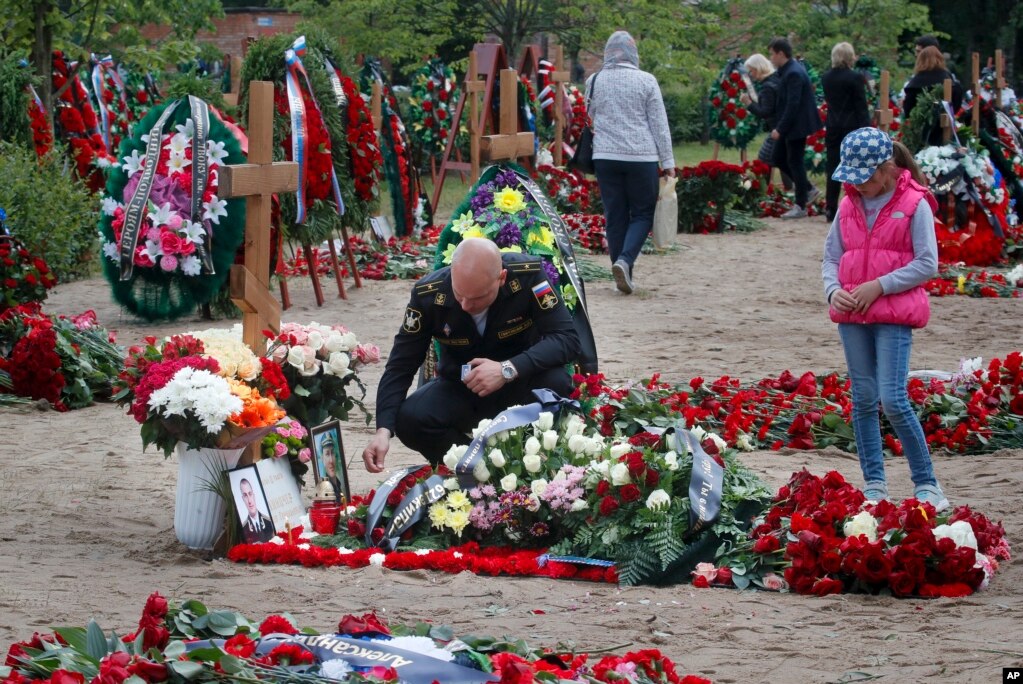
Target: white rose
point(861, 523)
point(532, 463)
point(602, 468)
point(594, 445)
point(620, 475)
point(698, 432)
point(544, 422)
point(532, 445)
point(721, 444)
point(248, 369)
point(575, 426)
point(538, 486)
point(577, 444)
point(671, 460)
point(453, 455)
point(658, 499)
point(619, 450)
point(296, 357)
point(961, 532)
point(579, 505)
point(509, 482)
point(338, 364)
point(481, 428)
point(333, 342)
point(480, 472)
point(349, 341)
point(550, 440)
point(451, 484)
point(314, 341)
point(497, 458)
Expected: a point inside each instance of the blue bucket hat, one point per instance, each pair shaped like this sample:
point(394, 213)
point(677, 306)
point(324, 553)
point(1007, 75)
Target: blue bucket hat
point(863, 151)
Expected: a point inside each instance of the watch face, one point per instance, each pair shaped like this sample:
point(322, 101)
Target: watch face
point(507, 372)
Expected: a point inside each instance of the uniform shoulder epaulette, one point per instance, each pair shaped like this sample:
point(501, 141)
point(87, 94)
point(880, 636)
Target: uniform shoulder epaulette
point(531, 266)
point(429, 283)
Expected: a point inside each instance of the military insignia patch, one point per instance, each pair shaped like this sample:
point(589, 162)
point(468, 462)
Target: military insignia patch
point(447, 330)
point(413, 320)
point(545, 296)
point(440, 299)
point(515, 285)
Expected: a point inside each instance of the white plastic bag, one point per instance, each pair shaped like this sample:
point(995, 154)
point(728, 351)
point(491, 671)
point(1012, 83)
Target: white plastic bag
point(666, 214)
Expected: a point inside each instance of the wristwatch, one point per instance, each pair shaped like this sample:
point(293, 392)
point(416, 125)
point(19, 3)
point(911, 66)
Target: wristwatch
point(508, 371)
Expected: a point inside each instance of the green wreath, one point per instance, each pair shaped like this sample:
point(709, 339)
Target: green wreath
point(431, 108)
point(153, 293)
point(731, 123)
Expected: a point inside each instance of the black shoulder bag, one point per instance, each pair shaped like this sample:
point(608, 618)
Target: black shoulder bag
point(582, 160)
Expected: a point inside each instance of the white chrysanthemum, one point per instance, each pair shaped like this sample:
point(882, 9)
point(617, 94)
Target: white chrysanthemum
point(336, 669)
point(111, 251)
point(190, 266)
point(377, 559)
point(204, 394)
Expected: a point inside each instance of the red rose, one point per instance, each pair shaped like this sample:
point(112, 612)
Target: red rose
point(700, 582)
point(630, 492)
point(170, 243)
point(825, 586)
point(608, 505)
point(603, 487)
point(148, 670)
point(766, 544)
point(156, 605)
point(65, 677)
point(113, 669)
point(724, 576)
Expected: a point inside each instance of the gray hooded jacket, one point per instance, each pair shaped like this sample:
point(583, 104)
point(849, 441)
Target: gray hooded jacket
point(629, 121)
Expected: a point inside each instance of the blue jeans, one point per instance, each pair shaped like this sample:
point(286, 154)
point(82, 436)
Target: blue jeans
point(629, 193)
point(878, 360)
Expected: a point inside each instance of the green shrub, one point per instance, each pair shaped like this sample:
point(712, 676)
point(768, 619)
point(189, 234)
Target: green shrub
point(685, 114)
point(51, 212)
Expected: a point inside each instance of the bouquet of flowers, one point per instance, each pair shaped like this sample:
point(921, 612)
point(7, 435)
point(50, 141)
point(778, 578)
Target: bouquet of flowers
point(556, 483)
point(705, 191)
point(66, 361)
point(821, 537)
point(275, 649)
point(319, 364)
point(24, 278)
point(203, 389)
point(288, 439)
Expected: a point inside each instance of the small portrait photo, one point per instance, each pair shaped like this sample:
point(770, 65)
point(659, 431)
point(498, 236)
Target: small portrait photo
point(329, 458)
point(250, 502)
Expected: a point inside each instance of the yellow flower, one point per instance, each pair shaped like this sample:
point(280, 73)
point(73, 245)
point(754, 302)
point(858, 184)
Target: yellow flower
point(961, 284)
point(474, 232)
point(543, 237)
point(512, 248)
point(458, 499)
point(509, 200)
point(463, 223)
point(438, 515)
point(457, 521)
point(449, 252)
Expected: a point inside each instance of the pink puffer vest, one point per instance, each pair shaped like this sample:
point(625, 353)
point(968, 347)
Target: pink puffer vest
point(873, 253)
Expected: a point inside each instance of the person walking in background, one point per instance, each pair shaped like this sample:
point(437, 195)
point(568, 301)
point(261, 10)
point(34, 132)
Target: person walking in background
point(845, 92)
point(631, 140)
point(762, 72)
point(930, 71)
point(797, 119)
point(880, 251)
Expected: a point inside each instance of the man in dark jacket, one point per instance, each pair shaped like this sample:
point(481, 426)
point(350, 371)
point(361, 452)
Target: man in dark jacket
point(503, 332)
point(797, 119)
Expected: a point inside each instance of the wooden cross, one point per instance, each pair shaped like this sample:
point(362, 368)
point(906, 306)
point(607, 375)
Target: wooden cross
point(977, 99)
point(256, 181)
point(999, 77)
point(946, 122)
point(884, 110)
point(558, 77)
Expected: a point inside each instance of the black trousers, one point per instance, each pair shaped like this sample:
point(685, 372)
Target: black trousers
point(443, 412)
point(788, 157)
point(833, 147)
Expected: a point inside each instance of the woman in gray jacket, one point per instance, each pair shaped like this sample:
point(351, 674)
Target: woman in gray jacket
point(631, 141)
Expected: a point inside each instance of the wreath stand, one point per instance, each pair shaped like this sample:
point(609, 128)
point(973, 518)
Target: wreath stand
point(507, 143)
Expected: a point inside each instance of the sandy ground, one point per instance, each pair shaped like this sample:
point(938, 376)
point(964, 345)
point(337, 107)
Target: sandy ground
point(87, 517)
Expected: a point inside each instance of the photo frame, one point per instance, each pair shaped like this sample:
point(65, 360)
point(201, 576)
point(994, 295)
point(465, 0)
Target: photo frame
point(251, 505)
point(329, 455)
point(381, 228)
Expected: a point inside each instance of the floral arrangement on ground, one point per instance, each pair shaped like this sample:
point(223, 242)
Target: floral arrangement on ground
point(186, 641)
point(706, 191)
point(398, 258)
point(975, 409)
point(68, 362)
point(976, 282)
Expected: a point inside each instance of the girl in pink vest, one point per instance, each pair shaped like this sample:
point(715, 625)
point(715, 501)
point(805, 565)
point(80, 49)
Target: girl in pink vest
point(880, 251)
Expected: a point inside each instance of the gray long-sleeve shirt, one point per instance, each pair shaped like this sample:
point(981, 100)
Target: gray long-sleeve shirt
point(925, 249)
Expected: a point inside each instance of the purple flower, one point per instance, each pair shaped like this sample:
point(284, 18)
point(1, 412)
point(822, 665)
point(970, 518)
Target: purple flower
point(483, 198)
point(509, 235)
point(506, 179)
point(552, 273)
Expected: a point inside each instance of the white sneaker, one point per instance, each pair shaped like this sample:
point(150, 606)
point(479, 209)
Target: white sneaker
point(795, 212)
point(812, 195)
point(620, 271)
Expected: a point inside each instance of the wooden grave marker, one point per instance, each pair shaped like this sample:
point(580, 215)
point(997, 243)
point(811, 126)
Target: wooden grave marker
point(559, 77)
point(946, 123)
point(256, 181)
point(977, 99)
point(884, 110)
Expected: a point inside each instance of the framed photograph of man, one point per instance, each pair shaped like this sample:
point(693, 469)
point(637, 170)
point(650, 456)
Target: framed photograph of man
point(251, 505)
point(329, 458)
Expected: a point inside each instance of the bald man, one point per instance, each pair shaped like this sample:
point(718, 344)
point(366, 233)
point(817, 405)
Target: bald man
point(496, 315)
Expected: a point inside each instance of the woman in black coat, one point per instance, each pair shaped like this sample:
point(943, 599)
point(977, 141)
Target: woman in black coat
point(845, 92)
point(762, 72)
point(930, 71)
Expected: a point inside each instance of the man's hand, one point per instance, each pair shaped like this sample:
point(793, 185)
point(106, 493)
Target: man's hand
point(485, 377)
point(842, 301)
point(745, 98)
point(775, 135)
point(375, 453)
point(866, 294)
